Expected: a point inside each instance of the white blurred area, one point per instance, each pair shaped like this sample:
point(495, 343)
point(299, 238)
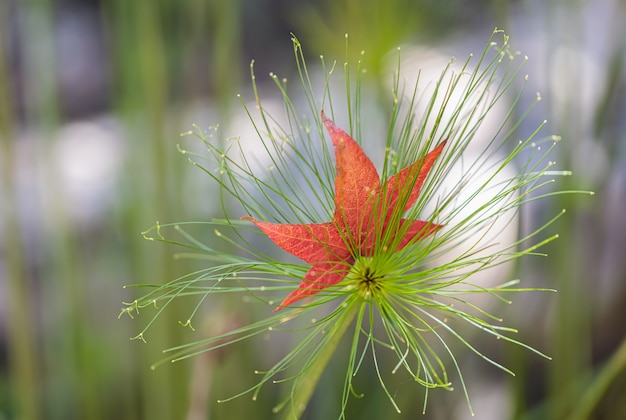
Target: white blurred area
point(88, 158)
point(73, 175)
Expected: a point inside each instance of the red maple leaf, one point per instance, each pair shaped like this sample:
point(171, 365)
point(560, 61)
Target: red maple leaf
point(367, 217)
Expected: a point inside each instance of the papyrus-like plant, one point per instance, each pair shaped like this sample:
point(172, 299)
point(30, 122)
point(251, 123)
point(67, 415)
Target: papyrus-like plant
point(369, 243)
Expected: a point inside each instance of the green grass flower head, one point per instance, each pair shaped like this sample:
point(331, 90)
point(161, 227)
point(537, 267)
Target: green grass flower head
point(369, 245)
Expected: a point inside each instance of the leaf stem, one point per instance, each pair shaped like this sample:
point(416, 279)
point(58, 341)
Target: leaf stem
point(304, 391)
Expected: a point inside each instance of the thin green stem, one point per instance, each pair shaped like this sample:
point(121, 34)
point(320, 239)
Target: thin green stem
point(309, 381)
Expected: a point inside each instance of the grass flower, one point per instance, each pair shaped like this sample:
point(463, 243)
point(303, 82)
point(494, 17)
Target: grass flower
point(366, 243)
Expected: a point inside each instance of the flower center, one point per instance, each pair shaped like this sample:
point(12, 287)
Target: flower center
point(367, 278)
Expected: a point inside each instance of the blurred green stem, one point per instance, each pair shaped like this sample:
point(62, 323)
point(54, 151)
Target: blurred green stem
point(22, 345)
point(21, 333)
point(310, 380)
point(226, 63)
point(594, 393)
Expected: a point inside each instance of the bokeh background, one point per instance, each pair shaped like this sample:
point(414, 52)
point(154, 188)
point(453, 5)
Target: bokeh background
point(93, 98)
